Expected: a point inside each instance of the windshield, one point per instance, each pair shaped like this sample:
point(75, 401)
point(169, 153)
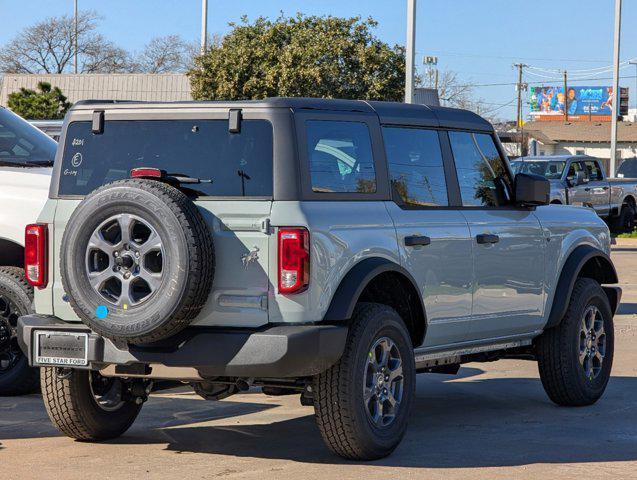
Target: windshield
point(551, 170)
point(23, 145)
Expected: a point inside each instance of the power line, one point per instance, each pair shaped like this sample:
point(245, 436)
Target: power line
point(503, 57)
point(538, 82)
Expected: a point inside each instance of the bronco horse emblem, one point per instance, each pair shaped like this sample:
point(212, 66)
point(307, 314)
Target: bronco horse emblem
point(248, 258)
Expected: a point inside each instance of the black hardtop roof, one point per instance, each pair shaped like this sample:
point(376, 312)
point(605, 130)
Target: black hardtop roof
point(389, 112)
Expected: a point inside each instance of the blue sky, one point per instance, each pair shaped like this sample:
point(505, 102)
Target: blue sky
point(479, 39)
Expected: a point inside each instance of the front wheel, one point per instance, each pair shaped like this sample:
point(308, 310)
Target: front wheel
point(87, 406)
point(576, 357)
point(362, 403)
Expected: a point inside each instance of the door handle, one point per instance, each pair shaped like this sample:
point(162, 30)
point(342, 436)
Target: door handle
point(587, 189)
point(417, 240)
point(605, 188)
point(487, 238)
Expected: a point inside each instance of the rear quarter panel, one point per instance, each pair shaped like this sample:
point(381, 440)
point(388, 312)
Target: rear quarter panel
point(342, 233)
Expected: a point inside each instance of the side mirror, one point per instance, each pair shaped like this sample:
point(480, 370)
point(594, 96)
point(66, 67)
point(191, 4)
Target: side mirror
point(531, 190)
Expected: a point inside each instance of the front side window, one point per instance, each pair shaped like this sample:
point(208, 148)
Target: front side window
point(593, 170)
point(229, 164)
point(340, 157)
point(482, 174)
point(573, 169)
point(415, 166)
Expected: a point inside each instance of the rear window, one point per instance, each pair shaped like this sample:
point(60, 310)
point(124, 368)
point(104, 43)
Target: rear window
point(238, 164)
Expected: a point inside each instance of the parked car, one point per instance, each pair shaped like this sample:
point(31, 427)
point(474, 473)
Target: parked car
point(628, 168)
point(53, 128)
point(327, 248)
point(581, 180)
point(26, 157)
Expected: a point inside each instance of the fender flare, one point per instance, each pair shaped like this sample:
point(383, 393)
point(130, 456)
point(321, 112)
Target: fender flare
point(570, 272)
point(354, 282)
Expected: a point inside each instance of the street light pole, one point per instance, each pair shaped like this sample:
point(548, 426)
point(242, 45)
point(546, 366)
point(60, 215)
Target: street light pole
point(204, 26)
point(410, 51)
point(75, 38)
point(616, 93)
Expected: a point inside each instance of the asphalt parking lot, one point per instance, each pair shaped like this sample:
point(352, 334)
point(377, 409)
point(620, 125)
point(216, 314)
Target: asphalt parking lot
point(490, 421)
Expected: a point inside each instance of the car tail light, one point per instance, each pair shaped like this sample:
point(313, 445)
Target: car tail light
point(35, 254)
point(146, 172)
point(294, 260)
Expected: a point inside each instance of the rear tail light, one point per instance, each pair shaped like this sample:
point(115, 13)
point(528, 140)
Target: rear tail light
point(35, 254)
point(294, 260)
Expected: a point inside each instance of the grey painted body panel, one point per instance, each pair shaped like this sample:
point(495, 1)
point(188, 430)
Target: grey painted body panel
point(473, 293)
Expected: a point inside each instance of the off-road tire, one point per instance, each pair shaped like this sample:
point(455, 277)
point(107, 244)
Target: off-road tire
point(625, 221)
point(189, 259)
point(557, 350)
point(21, 379)
point(73, 410)
point(338, 392)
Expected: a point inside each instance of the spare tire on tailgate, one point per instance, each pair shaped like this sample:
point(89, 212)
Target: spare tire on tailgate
point(137, 261)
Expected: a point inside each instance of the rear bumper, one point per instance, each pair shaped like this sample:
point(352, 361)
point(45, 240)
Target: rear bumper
point(274, 352)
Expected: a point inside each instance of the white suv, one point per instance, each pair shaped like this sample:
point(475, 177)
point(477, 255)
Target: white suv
point(26, 158)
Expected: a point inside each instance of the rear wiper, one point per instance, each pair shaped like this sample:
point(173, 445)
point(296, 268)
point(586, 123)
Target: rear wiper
point(180, 178)
point(31, 163)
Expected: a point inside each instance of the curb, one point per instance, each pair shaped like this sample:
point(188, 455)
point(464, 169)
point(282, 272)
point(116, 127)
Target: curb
point(624, 242)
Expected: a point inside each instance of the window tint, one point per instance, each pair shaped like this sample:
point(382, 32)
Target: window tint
point(628, 168)
point(22, 144)
point(340, 156)
point(573, 169)
point(482, 174)
point(593, 171)
point(415, 166)
point(238, 164)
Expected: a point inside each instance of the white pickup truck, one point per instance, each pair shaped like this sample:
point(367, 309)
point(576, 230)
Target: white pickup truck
point(26, 158)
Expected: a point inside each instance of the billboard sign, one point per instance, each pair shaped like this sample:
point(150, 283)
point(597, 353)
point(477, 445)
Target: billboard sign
point(582, 101)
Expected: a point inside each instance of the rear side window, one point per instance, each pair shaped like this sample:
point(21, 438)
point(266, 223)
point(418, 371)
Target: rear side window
point(237, 164)
point(482, 174)
point(415, 166)
point(340, 157)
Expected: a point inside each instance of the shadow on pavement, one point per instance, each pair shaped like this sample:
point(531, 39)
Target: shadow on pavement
point(627, 308)
point(484, 422)
point(481, 423)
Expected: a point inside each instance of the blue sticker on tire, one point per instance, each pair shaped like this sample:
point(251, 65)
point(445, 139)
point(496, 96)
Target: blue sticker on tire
point(101, 312)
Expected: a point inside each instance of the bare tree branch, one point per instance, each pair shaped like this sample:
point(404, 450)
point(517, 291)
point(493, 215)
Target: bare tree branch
point(49, 47)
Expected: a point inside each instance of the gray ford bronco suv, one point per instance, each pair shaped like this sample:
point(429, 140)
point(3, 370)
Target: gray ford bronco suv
point(328, 248)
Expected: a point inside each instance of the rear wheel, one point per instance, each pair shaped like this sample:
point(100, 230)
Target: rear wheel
point(362, 403)
point(16, 298)
point(576, 357)
point(87, 406)
point(625, 222)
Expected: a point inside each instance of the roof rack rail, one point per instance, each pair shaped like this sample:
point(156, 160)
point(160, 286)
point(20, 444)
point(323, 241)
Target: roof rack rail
point(95, 101)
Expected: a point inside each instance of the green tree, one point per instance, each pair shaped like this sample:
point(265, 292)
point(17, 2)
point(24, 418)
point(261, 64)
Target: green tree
point(48, 103)
point(307, 56)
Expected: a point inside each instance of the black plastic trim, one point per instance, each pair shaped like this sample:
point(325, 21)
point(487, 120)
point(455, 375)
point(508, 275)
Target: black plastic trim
point(349, 291)
point(570, 271)
point(288, 351)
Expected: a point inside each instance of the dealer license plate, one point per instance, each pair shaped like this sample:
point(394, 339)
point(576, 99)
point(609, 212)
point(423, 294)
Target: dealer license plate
point(61, 348)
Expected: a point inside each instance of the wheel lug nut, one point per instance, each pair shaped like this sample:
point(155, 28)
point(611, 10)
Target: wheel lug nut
point(387, 378)
point(127, 275)
point(116, 254)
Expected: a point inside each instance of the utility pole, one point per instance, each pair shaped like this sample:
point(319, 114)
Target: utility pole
point(75, 38)
point(204, 26)
point(616, 93)
point(519, 120)
point(410, 53)
point(565, 96)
